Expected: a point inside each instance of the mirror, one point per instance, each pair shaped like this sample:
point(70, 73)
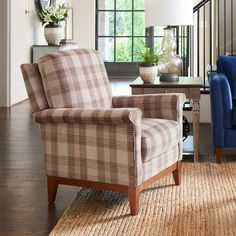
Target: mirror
point(42, 3)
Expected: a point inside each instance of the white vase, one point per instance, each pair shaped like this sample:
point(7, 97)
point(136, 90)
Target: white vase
point(53, 34)
point(148, 73)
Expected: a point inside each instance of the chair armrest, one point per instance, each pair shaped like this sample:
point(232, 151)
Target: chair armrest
point(221, 107)
point(163, 106)
point(104, 145)
point(89, 116)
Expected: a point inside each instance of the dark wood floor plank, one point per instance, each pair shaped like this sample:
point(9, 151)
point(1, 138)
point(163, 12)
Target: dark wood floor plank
point(23, 194)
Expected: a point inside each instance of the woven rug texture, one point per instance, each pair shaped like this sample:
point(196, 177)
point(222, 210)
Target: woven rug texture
point(204, 204)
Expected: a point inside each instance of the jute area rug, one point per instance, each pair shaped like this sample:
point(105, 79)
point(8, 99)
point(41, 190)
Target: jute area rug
point(204, 204)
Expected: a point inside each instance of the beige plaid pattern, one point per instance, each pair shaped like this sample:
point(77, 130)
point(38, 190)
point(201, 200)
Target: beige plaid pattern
point(75, 78)
point(34, 87)
point(161, 106)
point(158, 136)
point(88, 116)
point(89, 135)
point(161, 162)
point(107, 150)
point(92, 144)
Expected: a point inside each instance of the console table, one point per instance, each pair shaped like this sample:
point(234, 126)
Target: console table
point(190, 86)
point(40, 50)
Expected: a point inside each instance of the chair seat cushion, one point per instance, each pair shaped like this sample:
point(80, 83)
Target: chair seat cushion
point(158, 136)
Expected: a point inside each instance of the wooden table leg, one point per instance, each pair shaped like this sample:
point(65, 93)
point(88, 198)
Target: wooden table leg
point(196, 120)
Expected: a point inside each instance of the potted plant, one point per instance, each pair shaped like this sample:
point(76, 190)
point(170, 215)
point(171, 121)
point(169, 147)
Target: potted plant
point(51, 17)
point(148, 65)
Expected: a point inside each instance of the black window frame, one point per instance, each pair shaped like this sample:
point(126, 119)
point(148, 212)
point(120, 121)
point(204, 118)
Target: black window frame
point(119, 69)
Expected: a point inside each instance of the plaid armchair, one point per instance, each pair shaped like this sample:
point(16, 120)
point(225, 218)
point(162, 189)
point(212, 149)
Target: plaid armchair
point(92, 139)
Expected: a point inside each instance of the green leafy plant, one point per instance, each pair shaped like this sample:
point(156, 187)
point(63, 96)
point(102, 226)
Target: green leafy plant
point(52, 15)
point(147, 57)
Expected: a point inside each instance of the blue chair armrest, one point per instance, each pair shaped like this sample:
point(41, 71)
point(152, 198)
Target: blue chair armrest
point(221, 107)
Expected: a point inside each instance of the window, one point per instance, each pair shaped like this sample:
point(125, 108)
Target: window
point(120, 29)
point(120, 35)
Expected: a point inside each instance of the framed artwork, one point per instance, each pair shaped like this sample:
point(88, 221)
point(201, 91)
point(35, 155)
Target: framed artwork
point(40, 4)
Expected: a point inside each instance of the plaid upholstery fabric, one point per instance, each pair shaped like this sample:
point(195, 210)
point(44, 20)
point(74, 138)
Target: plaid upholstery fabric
point(34, 87)
point(161, 106)
point(83, 141)
point(109, 153)
point(75, 78)
point(158, 136)
point(88, 116)
point(156, 165)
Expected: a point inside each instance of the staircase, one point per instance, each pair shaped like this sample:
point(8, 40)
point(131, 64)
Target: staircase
point(213, 33)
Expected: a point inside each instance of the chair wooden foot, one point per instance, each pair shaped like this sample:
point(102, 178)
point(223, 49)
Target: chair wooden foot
point(218, 153)
point(133, 193)
point(52, 189)
point(177, 173)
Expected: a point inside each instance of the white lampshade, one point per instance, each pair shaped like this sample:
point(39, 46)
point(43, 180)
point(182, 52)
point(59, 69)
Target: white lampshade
point(168, 12)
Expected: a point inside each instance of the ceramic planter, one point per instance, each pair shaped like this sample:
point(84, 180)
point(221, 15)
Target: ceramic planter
point(53, 34)
point(148, 72)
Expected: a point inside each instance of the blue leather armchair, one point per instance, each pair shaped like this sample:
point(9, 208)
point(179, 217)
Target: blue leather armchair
point(223, 101)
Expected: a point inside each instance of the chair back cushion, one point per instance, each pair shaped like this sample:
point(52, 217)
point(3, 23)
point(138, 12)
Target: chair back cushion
point(34, 87)
point(75, 78)
point(227, 65)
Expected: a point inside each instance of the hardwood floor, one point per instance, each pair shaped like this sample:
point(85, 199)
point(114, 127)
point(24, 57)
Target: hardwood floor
point(23, 194)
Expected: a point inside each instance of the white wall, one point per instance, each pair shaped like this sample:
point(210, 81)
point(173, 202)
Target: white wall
point(205, 112)
point(84, 22)
point(26, 30)
point(22, 28)
point(18, 32)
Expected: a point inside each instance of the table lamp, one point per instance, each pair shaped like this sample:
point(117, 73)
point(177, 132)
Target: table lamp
point(169, 13)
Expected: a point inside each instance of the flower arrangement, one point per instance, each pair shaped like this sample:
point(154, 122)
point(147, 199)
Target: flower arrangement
point(52, 15)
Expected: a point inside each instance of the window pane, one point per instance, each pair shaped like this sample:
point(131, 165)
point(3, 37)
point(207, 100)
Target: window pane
point(106, 48)
point(138, 47)
point(123, 49)
point(158, 31)
point(139, 5)
point(106, 23)
point(124, 23)
point(139, 25)
point(105, 4)
point(124, 4)
point(157, 44)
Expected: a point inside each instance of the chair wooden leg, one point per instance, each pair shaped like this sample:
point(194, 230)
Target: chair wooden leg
point(52, 189)
point(133, 194)
point(218, 153)
point(177, 173)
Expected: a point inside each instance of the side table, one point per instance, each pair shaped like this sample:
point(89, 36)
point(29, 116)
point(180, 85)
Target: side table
point(190, 86)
